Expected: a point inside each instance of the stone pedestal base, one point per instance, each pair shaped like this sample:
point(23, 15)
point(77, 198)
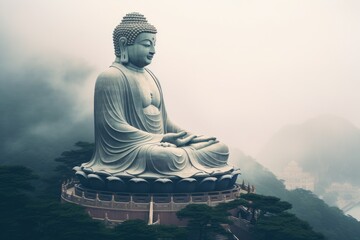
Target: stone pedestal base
point(153, 208)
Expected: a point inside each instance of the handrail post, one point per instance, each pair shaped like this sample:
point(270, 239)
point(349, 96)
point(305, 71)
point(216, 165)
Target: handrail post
point(171, 202)
point(112, 200)
point(97, 200)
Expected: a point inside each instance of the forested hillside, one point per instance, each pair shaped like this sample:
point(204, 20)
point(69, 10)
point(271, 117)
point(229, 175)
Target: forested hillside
point(29, 212)
point(327, 220)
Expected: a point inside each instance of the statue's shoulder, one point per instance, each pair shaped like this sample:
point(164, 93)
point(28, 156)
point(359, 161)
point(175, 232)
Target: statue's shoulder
point(112, 74)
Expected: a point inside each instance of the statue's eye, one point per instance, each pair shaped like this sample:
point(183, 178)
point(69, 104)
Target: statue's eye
point(146, 44)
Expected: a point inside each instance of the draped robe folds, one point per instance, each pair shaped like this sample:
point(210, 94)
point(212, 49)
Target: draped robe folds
point(127, 140)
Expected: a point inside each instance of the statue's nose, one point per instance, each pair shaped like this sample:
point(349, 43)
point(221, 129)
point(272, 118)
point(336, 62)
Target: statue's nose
point(152, 50)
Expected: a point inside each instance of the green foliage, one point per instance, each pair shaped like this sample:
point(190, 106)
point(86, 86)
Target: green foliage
point(14, 182)
point(63, 171)
point(203, 220)
point(266, 203)
point(13, 179)
point(25, 216)
point(72, 158)
point(330, 221)
point(284, 226)
point(135, 229)
point(170, 232)
point(273, 222)
point(138, 229)
point(56, 221)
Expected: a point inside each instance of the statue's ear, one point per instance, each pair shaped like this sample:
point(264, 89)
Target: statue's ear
point(124, 58)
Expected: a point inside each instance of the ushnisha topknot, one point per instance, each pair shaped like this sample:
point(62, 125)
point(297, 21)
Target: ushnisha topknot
point(130, 27)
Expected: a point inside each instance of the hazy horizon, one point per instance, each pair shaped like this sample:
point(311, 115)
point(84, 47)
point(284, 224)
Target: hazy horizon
point(238, 70)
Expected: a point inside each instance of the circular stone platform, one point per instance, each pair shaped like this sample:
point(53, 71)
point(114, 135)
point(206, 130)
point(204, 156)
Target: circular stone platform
point(116, 207)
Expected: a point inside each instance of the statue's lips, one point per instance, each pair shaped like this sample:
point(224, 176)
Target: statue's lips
point(150, 57)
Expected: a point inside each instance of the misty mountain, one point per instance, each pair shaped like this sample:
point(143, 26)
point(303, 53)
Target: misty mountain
point(255, 174)
point(327, 147)
point(327, 220)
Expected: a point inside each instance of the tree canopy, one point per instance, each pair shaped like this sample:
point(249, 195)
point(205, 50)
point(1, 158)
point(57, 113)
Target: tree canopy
point(204, 221)
point(29, 214)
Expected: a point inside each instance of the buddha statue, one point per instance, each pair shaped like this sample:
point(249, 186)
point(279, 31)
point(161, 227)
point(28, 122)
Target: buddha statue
point(134, 137)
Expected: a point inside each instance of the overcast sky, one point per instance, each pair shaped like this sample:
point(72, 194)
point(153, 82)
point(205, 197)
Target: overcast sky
point(238, 70)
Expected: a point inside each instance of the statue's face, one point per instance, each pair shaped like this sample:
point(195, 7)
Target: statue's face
point(142, 51)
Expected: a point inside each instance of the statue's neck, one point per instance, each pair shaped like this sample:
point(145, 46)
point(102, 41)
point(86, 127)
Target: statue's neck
point(129, 66)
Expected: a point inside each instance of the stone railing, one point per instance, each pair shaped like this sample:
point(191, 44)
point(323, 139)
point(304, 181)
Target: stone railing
point(72, 192)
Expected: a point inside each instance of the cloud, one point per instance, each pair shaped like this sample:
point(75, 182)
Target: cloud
point(39, 110)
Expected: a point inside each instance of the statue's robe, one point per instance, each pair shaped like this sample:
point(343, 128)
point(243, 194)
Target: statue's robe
point(127, 141)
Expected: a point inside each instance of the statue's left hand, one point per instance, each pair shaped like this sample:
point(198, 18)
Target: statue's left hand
point(202, 139)
point(200, 145)
point(179, 139)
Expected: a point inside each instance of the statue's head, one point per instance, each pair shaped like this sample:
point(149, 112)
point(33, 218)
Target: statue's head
point(134, 40)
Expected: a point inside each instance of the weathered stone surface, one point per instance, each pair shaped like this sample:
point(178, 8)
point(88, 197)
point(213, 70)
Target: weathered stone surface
point(134, 137)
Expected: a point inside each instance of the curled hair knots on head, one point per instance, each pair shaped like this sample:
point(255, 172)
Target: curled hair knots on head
point(130, 27)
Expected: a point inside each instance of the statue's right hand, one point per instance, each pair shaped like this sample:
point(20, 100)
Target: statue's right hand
point(179, 139)
point(166, 144)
